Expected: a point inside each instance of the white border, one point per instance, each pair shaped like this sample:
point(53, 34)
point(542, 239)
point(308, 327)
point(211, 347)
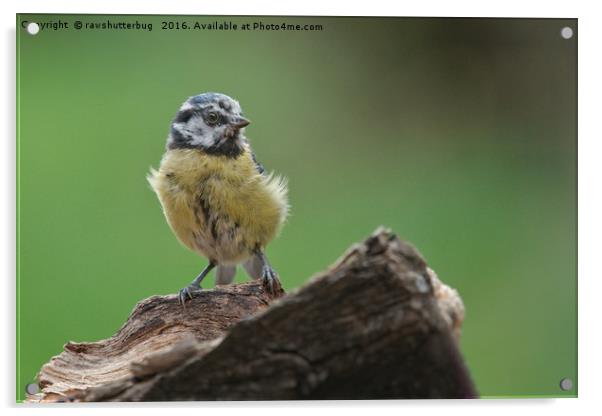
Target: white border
point(553, 8)
point(590, 209)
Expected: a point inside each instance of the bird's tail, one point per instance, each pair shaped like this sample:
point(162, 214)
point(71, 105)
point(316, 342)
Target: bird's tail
point(253, 267)
point(224, 275)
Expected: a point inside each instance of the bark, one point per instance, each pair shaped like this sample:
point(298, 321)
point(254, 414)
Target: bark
point(378, 324)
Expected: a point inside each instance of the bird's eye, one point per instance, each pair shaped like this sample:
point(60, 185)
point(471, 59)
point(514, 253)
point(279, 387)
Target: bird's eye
point(212, 118)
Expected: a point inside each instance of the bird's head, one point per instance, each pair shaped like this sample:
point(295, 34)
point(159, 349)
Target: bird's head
point(211, 122)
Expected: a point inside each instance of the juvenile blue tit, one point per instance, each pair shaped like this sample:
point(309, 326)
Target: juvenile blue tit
point(216, 197)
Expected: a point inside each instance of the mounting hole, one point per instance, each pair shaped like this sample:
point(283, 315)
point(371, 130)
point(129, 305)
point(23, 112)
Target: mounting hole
point(566, 32)
point(566, 384)
point(32, 28)
point(32, 388)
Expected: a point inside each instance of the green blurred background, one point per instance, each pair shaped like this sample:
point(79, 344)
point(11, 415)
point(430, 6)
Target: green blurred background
point(459, 134)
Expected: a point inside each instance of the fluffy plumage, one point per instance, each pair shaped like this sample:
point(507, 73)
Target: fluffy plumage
point(221, 207)
point(216, 197)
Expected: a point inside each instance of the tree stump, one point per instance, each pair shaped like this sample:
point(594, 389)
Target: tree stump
point(378, 324)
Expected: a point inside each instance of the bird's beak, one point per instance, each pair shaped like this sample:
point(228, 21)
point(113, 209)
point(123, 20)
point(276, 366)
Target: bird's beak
point(240, 122)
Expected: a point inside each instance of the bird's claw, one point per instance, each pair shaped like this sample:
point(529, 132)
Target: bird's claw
point(270, 281)
point(187, 293)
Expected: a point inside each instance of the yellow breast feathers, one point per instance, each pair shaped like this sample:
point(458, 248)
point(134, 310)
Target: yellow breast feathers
point(221, 207)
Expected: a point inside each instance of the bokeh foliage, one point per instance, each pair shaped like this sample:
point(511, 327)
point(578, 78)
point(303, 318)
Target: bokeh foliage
point(459, 134)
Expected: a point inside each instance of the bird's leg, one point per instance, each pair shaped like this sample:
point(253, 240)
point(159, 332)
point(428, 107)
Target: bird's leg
point(195, 285)
point(268, 275)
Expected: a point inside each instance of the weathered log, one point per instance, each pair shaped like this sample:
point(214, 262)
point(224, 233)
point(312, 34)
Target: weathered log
point(377, 324)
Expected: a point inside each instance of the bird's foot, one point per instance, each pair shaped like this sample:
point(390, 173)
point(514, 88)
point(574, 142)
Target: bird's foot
point(187, 293)
point(270, 281)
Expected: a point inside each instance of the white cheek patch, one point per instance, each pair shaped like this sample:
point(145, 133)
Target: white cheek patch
point(199, 132)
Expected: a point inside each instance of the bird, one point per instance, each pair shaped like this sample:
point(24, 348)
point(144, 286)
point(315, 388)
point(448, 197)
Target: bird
point(218, 200)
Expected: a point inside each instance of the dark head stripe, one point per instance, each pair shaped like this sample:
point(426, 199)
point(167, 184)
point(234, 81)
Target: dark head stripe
point(184, 115)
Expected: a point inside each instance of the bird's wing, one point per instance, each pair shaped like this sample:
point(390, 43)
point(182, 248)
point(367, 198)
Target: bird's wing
point(258, 165)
